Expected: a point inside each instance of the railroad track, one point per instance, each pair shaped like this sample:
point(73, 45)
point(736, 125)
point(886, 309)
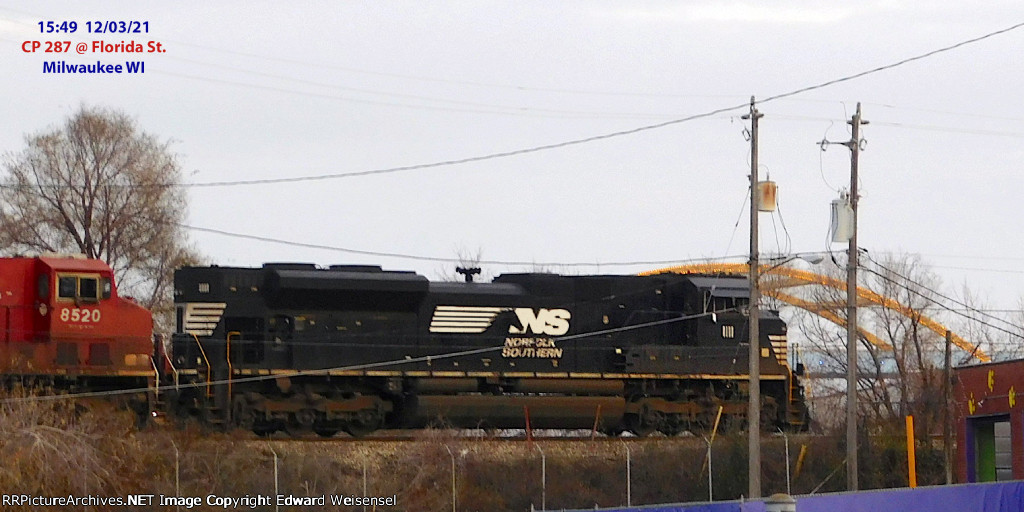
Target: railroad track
point(400, 437)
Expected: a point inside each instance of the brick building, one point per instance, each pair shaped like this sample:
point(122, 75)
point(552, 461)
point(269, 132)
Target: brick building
point(989, 403)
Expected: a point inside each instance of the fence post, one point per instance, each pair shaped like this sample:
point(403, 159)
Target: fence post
point(277, 488)
point(911, 455)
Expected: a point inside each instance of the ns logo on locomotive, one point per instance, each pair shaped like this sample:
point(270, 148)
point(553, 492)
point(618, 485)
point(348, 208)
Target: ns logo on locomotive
point(299, 348)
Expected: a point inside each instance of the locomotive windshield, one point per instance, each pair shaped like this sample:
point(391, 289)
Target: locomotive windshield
point(83, 288)
point(67, 287)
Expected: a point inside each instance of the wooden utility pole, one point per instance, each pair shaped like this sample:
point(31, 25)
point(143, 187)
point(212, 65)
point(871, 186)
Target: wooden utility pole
point(851, 313)
point(947, 421)
point(753, 323)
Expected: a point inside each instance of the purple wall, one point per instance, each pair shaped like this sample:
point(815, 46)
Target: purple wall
point(991, 497)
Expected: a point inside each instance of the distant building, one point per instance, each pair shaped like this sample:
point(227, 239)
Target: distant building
point(989, 402)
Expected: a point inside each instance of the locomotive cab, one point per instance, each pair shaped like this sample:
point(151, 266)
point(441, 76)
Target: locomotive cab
point(63, 317)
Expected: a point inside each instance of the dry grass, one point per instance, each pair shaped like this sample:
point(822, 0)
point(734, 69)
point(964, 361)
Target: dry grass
point(49, 449)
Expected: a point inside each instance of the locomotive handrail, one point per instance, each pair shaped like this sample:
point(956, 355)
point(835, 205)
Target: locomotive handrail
point(156, 378)
point(789, 391)
point(173, 369)
point(227, 349)
point(208, 370)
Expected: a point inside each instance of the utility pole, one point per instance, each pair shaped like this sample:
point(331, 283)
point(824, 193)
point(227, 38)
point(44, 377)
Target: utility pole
point(947, 425)
point(753, 323)
point(851, 313)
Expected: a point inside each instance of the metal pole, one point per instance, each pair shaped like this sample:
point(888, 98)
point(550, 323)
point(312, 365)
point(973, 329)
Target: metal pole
point(629, 490)
point(452, 455)
point(851, 314)
point(753, 321)
point(277, 491)
point(711, 493)
point(785, 439)
point(543, 479)
point(177, 477)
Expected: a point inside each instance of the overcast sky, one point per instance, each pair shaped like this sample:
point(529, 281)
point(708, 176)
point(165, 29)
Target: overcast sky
point(262, 90)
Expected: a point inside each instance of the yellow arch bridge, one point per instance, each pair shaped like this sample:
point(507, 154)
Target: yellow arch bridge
point(783, 278)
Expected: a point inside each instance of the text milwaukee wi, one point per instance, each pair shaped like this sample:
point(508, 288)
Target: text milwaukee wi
point(59, 66)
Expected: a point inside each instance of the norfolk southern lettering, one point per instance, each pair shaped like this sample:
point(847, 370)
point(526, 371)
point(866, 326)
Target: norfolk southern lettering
point(61, 67)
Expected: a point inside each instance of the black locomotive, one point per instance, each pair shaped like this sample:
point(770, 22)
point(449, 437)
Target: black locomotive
point(356, 348)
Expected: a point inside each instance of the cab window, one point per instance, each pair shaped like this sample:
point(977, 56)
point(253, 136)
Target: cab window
point(67, 287)
point(82, 288)
point(88, 287)
point(43, 287)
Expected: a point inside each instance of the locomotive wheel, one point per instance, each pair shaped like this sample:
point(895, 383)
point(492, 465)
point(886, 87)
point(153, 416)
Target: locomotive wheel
point(646, 422)
point(643, 425)
point(325, 432)
point(675, 424)
point(296, 430)
point(306, 417)
point(263, 430)
point(363, 423)
point(359, 430)
point(615, 431)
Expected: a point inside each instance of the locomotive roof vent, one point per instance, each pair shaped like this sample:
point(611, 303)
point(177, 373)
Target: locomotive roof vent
point(356, 268)
point(290, 266)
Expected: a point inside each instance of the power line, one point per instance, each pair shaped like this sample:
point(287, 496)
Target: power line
point(584, 140)
point(895, 64)
point(438, 259)
point(389, 170)
point(454, 81)
point(957, 312)
point(936, 292)
point(358, 367)
point(975, 269)
point(444, 260)
point(491, 108)
point(481, 108)
point(619, 133)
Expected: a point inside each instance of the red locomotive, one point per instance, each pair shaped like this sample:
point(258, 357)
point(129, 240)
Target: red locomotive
point(62, 324)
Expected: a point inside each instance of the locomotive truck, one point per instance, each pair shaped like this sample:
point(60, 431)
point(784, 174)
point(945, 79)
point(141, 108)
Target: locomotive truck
point(351, 348)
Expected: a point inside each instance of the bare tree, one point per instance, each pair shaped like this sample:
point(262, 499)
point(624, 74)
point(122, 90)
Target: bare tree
point(899, 367)
point(467, 260)
point(1001, 336)
point(99, 186)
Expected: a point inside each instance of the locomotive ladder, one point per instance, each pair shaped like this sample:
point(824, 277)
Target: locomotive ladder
point(209, 392)
point(794, 415)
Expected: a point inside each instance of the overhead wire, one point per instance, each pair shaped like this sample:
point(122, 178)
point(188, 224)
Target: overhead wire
point(357, 367)
point(936, 292)
point(482, 107)
point(431, 165)
point(594, 138)
point(448, 259)
point(440, 259)
point(515, 87)
point(728, 246)
point(957, 312)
